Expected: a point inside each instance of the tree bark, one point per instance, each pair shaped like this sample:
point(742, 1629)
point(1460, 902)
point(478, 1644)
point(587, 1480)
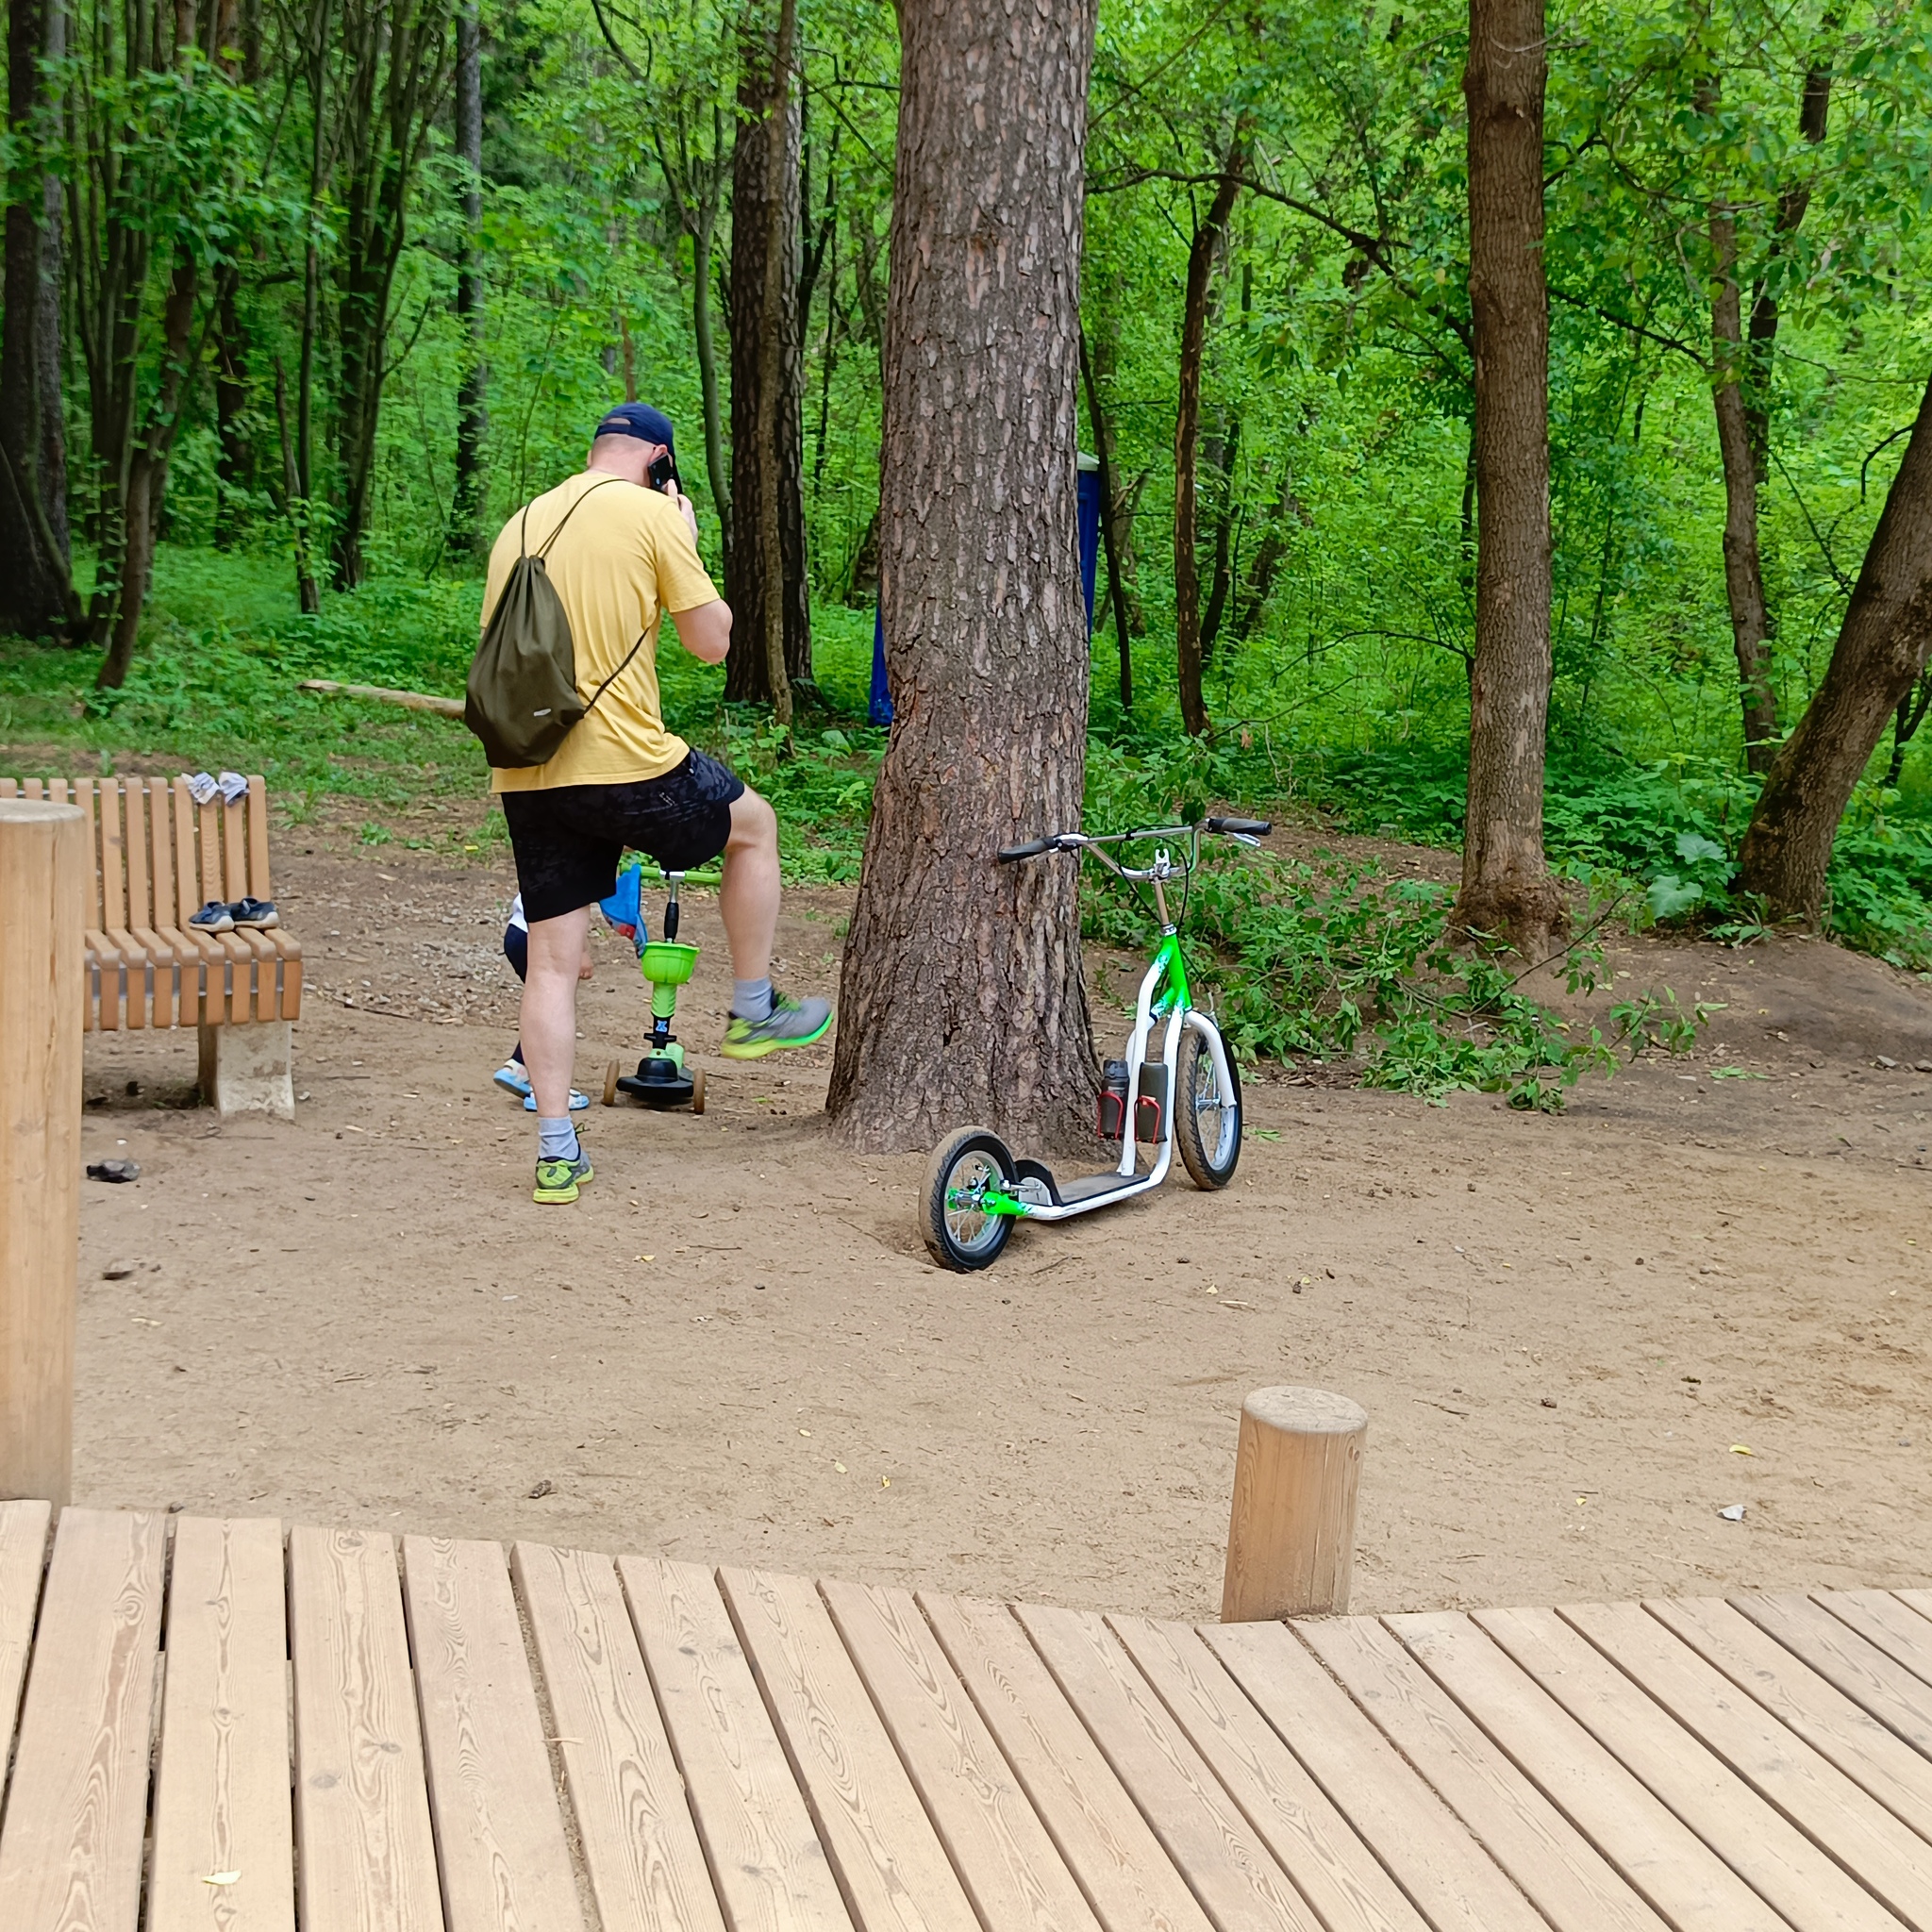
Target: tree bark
point(765, 566)
point(1186, 431)
point(1883, 646)
point(472, 411)
point(37, 593)
point(961, 998)
point(1506, 890)
point(234, 461)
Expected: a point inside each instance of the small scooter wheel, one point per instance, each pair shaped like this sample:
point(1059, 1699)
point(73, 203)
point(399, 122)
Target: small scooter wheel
point(697, 1090)
point(1207, 1122)
point(958, 1232)
point(611, 1084)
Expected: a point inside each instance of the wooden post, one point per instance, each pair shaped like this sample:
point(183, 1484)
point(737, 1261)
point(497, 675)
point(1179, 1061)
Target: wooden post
point(45, 874)
point(1290, 1545)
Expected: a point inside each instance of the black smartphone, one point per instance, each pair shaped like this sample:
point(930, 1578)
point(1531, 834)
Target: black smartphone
point(663, 470)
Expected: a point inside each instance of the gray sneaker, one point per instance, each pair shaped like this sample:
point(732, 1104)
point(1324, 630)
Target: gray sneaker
point(791, 1023)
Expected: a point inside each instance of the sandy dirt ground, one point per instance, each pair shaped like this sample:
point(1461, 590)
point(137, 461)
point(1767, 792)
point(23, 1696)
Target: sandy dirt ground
point(1566, 1331)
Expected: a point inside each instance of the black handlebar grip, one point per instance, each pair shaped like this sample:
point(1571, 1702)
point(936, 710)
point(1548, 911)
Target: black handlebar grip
point(1010, 853)
point(1253, 828)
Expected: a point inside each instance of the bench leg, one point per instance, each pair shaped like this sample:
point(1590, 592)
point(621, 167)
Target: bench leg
point(248, 1069)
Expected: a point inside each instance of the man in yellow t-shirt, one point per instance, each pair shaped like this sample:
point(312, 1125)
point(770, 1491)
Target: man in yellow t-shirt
point(624, 553)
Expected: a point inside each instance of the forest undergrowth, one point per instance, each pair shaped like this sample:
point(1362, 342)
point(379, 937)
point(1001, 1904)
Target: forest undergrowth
point(1326, 959)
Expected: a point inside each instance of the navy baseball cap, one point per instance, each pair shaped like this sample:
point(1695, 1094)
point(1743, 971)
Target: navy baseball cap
point(637, 419)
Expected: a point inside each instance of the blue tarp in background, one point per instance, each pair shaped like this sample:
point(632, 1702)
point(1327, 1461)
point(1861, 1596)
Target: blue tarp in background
point(1088, 517)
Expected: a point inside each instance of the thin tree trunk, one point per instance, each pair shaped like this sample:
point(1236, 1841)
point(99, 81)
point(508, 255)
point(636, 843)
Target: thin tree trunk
point(1904, 725)
point(235, 462)
point(1222, 454)
point(472, 411)
point(704, 340)
point(1507, 888)
point(764, 580)
point(36, 589)
point(962, 998)
point(147, 478)
point(1116, 591)
point(1743, 568)
point(1883, 647)
point(1187, 430)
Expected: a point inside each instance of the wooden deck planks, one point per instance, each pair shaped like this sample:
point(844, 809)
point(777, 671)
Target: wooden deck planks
point(639, 1845)
point(77, 1807)
point(1214, 1848)
point(771, 1868)
point(893, 1868)
point(1777, 1862)
point(1095, 1822)
point(1658, 1855)
point(1870, 1679)
point(1861, 1747)
point(1886, 1624)
point(1452, 1880)
point(1565, 1876)
point(1009, 1866)
point(23, 1561)
point(367, 1857)
point(1310, 1839)
point(500, 1845)
point(1890, 1860)
point(224, 1829)
point(752, 1752)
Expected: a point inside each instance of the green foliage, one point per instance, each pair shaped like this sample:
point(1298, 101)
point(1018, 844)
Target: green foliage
point(1331, 959)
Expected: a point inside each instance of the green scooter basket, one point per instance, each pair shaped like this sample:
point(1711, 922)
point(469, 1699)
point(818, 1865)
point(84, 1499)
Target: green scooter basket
point(666, 962)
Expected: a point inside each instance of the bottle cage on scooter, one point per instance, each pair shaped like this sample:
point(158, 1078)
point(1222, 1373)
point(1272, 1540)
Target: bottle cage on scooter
point(1164, 994)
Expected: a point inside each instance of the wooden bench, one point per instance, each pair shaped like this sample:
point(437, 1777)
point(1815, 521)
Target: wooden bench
point(158, 858)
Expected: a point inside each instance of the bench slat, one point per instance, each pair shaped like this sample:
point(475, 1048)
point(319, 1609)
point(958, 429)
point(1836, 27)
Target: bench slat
point(22, 1556)
point(259, 887)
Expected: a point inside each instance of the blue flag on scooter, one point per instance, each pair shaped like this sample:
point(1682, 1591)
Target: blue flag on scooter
point(624, 908)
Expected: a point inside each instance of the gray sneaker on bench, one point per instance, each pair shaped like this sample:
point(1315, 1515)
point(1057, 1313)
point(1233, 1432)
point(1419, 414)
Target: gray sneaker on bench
point(791, 1023)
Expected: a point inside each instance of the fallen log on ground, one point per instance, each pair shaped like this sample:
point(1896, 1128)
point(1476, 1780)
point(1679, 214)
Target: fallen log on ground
point(410, 700)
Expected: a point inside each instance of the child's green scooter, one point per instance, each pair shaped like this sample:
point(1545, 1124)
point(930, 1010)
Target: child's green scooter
point(662, 1079)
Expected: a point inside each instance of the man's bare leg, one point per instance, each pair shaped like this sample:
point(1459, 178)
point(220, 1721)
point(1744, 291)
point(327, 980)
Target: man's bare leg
point(550, 1007)
point(762, 1021)
point(748, 902)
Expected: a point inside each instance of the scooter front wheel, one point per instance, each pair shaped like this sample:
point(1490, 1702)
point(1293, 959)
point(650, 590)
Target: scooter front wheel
point(1207, 1122)
point(959, 1231)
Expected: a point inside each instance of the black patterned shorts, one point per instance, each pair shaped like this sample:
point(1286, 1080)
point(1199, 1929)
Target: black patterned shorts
point(568, 839)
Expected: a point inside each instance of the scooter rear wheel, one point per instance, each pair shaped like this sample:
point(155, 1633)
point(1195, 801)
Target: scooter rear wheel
point(959, 1234)
point(1207, 1122)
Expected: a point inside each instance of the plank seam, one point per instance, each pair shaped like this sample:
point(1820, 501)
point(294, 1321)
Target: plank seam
point(553, 1749)
point(155, 1711)
point(33, 1635)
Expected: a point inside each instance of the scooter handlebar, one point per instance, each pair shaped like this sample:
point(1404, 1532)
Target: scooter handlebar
point(1249, 828)
point(1010, 855)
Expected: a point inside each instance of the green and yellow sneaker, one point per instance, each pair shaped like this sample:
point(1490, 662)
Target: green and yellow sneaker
point(791, 1023)
point(558, 1181)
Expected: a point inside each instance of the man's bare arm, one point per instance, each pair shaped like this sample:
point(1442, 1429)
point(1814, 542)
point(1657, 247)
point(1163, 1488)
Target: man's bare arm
point(706, 631)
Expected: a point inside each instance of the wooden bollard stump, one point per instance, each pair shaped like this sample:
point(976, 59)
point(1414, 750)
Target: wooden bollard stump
point(1291, 1543)
point(44, 876)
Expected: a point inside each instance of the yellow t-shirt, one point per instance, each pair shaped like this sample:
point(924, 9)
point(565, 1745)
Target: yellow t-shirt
point(623, 560)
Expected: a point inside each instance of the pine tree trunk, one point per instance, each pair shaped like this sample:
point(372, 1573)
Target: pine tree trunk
point(1883, 646)
point(473, 413)
point(1506, 890)
point(1743, 567)
point(765, 565)
point(961, 998)
point(1187, 432)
